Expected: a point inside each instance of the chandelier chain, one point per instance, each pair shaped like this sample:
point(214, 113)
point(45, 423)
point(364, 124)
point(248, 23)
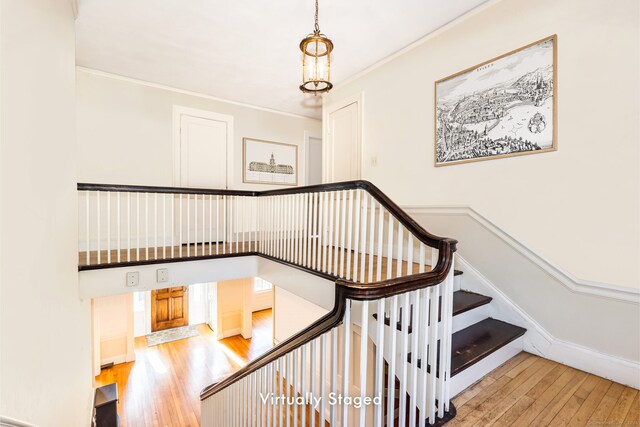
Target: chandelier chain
point(317, 27)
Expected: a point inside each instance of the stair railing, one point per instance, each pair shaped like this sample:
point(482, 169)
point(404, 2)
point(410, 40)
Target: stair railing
point(383, 263)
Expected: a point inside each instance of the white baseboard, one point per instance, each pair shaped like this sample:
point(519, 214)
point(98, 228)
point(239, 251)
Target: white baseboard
point(539, 341)
point(121, 358)
point(231, 332)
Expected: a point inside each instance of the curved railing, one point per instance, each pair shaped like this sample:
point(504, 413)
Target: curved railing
point(381, 260)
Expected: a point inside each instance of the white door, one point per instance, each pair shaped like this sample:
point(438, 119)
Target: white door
point(201, 158)
point(343, 142)
point(203, 152)
point(314, 160)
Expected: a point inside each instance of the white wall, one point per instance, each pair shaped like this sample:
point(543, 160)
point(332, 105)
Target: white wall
point(234, 308)
point(292, 313)
point(113, 319)
point(579, 206)
point(125, 131)
point(45, 344)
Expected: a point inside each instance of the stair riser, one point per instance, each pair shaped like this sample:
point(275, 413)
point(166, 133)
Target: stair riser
point(472, 374)
point(470, 317)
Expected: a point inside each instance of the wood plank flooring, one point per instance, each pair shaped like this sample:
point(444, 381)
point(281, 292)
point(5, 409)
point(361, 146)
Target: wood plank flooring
point(531, 391)
point(162, 387)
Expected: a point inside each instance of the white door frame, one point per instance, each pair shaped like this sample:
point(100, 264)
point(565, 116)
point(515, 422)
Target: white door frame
point(327, 148)
point(308, 134)
point(178, 112)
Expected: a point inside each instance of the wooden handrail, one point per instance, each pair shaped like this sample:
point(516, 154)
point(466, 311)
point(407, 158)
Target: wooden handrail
point(344, 290)
point(409, 223)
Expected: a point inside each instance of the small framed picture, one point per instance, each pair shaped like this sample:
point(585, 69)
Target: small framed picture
point(269, 162)
point(503, 107)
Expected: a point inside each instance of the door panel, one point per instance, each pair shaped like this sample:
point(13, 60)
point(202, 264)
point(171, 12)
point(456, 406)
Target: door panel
point(169, 308)
point(344, 143)
point(203, 164)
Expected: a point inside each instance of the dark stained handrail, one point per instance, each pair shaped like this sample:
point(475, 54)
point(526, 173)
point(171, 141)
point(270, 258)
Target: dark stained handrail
point(344, 290)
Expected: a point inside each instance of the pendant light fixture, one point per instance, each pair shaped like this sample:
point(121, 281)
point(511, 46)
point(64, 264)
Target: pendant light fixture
point(316, 61)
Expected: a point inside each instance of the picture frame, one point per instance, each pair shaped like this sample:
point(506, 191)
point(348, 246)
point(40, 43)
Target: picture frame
point(269, 162)
point(503, 107)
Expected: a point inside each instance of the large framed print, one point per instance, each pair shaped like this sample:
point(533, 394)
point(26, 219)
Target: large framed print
point(503, 107)
point(269, 162)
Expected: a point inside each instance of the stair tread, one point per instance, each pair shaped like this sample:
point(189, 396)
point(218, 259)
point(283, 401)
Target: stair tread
point(464, 301)
point(457, 272)
point(472, 344)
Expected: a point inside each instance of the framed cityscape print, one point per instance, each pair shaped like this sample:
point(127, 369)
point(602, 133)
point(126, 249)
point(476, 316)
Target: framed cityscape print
point(503, 107)
point(268, 162)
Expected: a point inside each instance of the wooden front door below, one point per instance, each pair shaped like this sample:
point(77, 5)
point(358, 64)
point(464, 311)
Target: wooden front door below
point(169, 308)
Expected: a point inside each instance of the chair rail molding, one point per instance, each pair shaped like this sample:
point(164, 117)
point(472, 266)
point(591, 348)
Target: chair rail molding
point(573, 283)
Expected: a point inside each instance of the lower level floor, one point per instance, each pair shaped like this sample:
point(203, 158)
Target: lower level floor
point(162, 387)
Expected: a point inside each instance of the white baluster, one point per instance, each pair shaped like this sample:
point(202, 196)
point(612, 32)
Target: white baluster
point(137, 226)
point(346, 360)
point(415, 333)
point(203, 223)
point(343, 233)
point(303, 384)
point(380, 244)
point(391, 379)
point(323, 231)
point(88, 230)
point(155, 224)
point(403, 357)
point(349, 234)
point(108, 194)
point(314, 231)
point(333, 413)
point(128, 227)
point(98, 222)
point(364, 341)
point(164, 225)
point(372, 237)
point(363, 237)
point(330, 268)
point(390, 248)
point(312, 382)
point(118, 227)
point(323, 378)
point(433, 346)
point(356, 235)
point(400, 248)
point(188, 225)
point(379, 370)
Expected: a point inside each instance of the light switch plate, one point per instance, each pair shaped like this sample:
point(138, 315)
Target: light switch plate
point(133, 278)
point(162, 275)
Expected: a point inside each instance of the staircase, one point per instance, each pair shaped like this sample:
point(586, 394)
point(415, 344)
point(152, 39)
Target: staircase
point(400, 316)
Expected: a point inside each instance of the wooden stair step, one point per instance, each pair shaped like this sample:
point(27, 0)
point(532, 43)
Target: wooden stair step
point(463, 301)
point(472, 344)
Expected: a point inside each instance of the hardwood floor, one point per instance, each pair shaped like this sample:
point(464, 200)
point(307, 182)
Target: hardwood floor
point(531, 391)
point(162, 387)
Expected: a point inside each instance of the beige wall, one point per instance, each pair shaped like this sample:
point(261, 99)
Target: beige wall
point(125, 131)
point(579, 206)
point(45, 344)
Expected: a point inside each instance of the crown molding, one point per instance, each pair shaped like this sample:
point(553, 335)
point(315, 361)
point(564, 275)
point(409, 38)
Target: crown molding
point(108, 75)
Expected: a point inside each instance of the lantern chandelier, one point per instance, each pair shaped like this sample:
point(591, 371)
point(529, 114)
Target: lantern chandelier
point(316, 61)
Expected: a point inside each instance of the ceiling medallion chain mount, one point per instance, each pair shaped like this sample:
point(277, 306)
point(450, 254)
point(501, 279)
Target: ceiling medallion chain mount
point(316, 61)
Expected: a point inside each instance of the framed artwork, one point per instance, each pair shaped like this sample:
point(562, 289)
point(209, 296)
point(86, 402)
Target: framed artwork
point(268, 162)
point(503, 107)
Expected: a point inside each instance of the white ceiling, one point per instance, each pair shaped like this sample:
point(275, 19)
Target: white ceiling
point(247, 50)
